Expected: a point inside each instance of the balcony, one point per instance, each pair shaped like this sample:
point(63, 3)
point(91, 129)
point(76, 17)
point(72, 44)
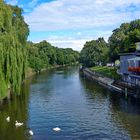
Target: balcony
point(134, 69)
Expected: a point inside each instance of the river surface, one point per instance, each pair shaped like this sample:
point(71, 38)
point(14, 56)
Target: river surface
point(84, 110)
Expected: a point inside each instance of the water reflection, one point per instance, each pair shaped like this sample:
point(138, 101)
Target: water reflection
point(17, 109)
point(83, 109)
point(124, 112)
point(127, 114)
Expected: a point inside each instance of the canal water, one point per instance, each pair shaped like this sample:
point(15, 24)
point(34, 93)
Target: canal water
point(83, 110)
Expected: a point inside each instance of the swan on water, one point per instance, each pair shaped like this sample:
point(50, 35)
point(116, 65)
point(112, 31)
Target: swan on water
point(18, 124)
point(8, 119)
point(56, 129)
point(31, 133)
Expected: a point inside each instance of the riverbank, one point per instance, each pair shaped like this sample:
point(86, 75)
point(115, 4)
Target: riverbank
point(105, 71)
point(30, 73)
point(46, 103)
point(111, 84)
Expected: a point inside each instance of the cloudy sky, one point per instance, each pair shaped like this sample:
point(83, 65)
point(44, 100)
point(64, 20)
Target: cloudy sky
point(70, 23)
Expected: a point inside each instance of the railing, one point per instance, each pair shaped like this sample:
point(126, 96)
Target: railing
point(134, 69)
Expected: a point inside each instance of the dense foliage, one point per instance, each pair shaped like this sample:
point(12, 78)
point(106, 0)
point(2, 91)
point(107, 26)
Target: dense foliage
point(94, 52)
point(13, 35)
point(15, 51)
point(110, 72)
point(123, 39)
point(43, 55)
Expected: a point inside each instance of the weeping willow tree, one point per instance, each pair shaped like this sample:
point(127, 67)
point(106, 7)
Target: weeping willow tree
point(13, 35)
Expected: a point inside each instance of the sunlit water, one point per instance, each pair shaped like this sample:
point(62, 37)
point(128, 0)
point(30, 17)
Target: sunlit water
point(82, 109)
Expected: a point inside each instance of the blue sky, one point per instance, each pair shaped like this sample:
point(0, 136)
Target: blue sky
point(70, 23)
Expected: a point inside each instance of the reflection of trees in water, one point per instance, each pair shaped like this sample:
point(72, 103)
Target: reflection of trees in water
point(129, 106)
point(48, 74)
point(45, 75)
point(17, 109)
point(124, 113)
point(67, 71)
point(94, 89)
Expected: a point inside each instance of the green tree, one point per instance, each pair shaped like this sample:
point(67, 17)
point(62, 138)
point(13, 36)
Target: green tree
point(13, 35)
point(124, 38)
point(48, 55)
point(94, 52)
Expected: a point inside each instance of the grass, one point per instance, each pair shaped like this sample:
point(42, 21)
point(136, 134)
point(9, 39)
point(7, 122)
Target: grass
point(110, 72)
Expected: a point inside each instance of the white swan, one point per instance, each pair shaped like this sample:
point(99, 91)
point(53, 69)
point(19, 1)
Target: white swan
point(8, 119)
point(56, 129)
point(31, 132)
point(17, 124)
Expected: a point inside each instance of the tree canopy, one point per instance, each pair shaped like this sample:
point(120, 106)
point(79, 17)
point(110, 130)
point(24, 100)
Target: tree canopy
point(13, 35)
point(123, 39)
point(16, 53)
point(42, 55)
point(94, 52)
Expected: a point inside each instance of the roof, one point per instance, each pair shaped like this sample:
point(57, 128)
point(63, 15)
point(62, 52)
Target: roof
point(134, 59)
point(127, 54)
point(132, 53)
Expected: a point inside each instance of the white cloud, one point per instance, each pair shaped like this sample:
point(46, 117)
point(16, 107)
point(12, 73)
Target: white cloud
point(71, 41)
point(77, 14)
point(63, 15)
point(12, 2)
point(33, 3)
point(74, 44)
point(79, 33)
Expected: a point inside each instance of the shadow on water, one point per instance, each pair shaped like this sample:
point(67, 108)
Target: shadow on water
point(17, 109)
point(118, 101)
point(124, 112)
point(84, 109)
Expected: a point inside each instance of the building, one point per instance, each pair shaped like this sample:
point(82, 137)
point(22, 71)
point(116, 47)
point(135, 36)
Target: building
point(130, 67)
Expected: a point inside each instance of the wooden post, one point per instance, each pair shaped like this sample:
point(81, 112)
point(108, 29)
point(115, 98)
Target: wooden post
point(126, 94)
